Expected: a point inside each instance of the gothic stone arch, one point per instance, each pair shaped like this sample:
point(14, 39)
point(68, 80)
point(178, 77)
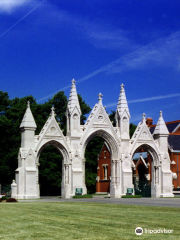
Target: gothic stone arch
point(72, 147)
point(115, 156)
point(66, 164)
point(155, 172)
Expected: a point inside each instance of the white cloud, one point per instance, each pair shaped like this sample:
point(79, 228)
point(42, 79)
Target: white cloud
point(167, 54)
point(108, 37)
point(98, 32)
point(9, 5)
point(163, 52)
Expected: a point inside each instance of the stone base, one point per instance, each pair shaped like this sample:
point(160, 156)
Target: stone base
point(101, 193)
point(27, 197)
point(167, 195)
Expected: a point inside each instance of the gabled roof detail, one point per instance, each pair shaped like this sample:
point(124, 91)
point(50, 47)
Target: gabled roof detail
point(28, 119)
point(73, 99)
point(161, 126)
point(143, 161)
point(142, 136)
point(142, 131)
point(122, 102)
point(98, 119)
point(51, 129)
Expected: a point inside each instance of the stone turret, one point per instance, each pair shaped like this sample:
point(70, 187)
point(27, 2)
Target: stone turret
point(122, 114)
point(161, 133)
point(73, 112)
point(28, 127)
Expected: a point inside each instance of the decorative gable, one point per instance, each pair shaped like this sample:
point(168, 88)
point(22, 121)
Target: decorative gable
point(142, 135)
point(51, 129)
point(145, 134)
point(98, 118)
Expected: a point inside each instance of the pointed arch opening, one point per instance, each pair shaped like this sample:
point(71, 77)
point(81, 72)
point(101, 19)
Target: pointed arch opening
point(98, 170)
point(50, 159)
point(146, 170)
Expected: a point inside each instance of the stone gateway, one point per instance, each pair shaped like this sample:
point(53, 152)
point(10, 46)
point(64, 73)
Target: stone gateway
point(73, 145)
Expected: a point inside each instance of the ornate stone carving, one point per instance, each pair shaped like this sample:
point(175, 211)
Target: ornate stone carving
point(144, 134)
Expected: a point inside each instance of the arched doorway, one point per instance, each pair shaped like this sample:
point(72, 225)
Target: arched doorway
point(50, 171)
point(110, 171)
point(145, 173)
point(92, 151)
point(53, 172)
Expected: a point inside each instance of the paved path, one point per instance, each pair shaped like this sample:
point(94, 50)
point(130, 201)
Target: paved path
point(162, 202)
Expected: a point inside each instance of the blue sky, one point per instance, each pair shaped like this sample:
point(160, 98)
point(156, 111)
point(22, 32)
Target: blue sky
point(101, 44)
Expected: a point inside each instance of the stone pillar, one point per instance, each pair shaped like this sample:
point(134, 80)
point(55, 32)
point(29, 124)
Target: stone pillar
point(155, 184)
point(84, 184)
point(115, 190)
point(66, 188)
point(113, 173)
point(126, 174)
point(14, 189)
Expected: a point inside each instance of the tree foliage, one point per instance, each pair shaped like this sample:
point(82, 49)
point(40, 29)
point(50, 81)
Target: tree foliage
point(132, 129)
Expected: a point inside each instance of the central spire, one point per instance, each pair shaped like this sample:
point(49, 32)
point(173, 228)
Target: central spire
point(122, 102)
point(73, 98)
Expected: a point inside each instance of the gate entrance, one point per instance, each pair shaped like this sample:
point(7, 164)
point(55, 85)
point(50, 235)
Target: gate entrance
point(142, 173)
point(50, 171)
point(150, 173)
point(142, 187)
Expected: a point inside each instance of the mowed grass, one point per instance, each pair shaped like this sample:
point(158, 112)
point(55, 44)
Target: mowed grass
point(66, 220)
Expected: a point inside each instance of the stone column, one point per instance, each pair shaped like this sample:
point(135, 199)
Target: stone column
point(66, 173)
point(66, 190)
point(113, 173)
point(14, 189)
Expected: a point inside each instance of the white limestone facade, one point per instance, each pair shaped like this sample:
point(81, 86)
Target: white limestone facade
point(73, 145)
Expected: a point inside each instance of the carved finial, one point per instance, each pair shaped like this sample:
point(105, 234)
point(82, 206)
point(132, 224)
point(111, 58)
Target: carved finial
point(73, 81)
point(100, 96)
point(28, 104)
point(144, 117)
point(160, 113)
point(122, 86)
point(52, 110)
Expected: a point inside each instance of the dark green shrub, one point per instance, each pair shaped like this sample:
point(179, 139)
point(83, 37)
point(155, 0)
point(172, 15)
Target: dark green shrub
point(4, 198)
point(131, 196)
point(0, 200)
point(83, 196)
point(11, 200)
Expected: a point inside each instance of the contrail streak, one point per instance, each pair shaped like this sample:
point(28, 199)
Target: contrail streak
point(146, 99)
point(112, 64)
point(21, 19)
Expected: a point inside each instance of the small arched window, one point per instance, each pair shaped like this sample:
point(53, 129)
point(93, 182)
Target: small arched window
point(75, 121)
point(125, 124)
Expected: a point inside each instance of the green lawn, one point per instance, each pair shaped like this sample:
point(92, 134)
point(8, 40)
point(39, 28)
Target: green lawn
point(65, 220)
